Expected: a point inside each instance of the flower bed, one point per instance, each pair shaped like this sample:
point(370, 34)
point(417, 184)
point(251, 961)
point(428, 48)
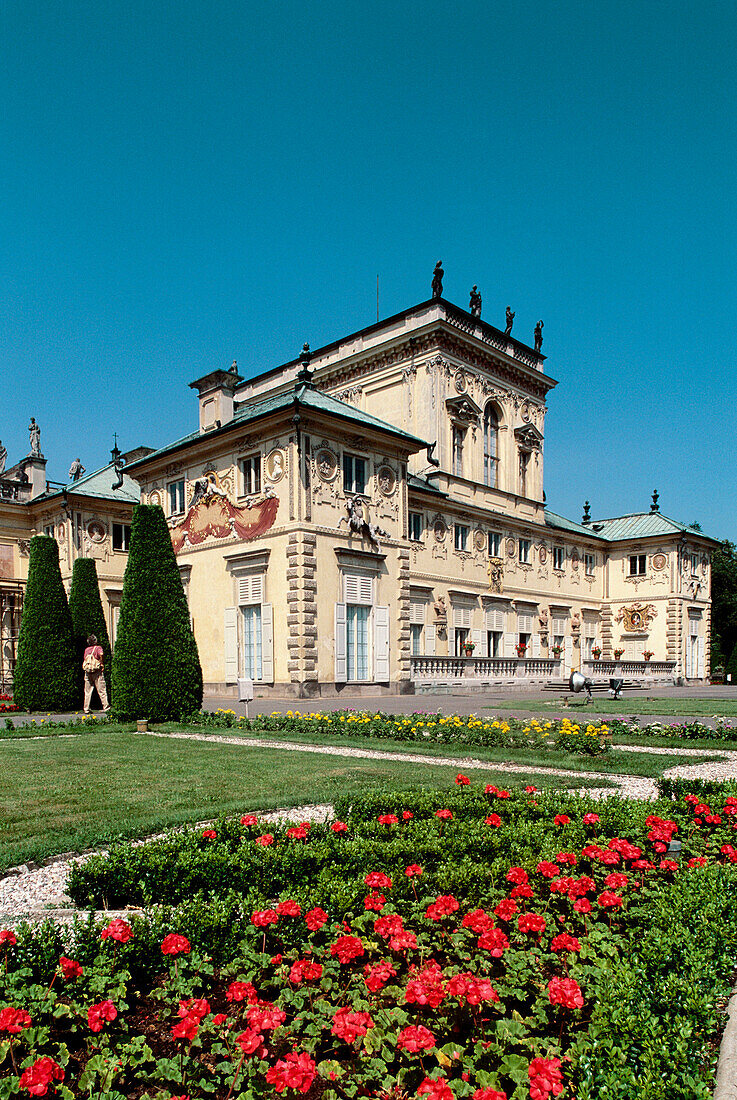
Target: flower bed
point(688, 731)
point(7, 706)
point(477, 943)
point(591, 739)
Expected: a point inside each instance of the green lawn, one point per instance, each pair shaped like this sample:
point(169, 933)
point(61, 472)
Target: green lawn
point(616, 763)
point(72, 793)
point(551, 706)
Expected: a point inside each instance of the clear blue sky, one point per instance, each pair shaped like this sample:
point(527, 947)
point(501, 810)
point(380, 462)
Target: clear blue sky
point(187, 184)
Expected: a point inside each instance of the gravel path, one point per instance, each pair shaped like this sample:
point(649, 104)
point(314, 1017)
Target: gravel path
point(39, 892)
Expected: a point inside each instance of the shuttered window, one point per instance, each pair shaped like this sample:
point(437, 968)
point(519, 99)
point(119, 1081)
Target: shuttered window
point(524, 622)
point(558, 625)
point(417, 612)
point(461, 617)
point(358, 588)
point(495, 619)
point(251, 588)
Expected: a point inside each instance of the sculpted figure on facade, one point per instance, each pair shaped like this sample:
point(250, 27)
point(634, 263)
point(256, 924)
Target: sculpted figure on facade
point(474, 306)
point(34, 433)
point(510, 322)
point(76, 470)
point(437, 280)
point(538, 336)
point(359, 525)
point(3, 457)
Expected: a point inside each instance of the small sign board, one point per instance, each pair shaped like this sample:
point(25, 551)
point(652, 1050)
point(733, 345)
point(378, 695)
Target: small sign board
point(245, 691)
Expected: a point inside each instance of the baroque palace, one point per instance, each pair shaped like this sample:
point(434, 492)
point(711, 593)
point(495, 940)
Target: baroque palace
point(371, 517)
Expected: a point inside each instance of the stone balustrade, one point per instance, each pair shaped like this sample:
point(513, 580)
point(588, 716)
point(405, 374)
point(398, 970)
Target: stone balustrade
point(484, 669)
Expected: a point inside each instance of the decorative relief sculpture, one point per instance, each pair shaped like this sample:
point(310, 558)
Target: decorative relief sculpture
point(155, 498)
point(495, 571)
point(440, 529)
point(359, 525)
point(326, 464)
point(386, 481)
point(637, 617)
point(276, 465)
point(511, 548)
point(461, 381)
point(96, 530)
point(212, 515)
point(479, 539)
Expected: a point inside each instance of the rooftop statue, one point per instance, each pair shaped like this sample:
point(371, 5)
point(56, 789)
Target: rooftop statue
point(474, 305)
point(3, 457)
point(437, 280)
point(76, 470)
point(510, 322)
point(538, 336)
point(35, 436)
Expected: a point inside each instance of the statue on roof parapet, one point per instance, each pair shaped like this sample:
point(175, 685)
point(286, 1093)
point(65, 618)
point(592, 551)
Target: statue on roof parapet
point(76, 470)
point(34, 433)
point(538, 336)
point(510, 322)
point(437, 280)
point(474, 305)
point(3, 457)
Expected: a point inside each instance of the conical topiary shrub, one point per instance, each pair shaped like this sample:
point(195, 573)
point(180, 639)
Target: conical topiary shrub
point(731, 666)
point(156, 667)
point(85, 607)
point(47, 675)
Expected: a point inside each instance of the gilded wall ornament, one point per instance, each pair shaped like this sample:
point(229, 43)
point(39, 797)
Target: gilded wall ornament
point(276, 465)
point(495, 570)
point(636, 617)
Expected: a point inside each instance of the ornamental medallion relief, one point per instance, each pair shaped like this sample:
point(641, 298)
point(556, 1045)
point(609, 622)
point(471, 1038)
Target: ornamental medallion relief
point(659, 561)
point(96, 531)
point(637, 617)
point(326, 464)
point(276, 465)
point(386, 481)
point(440, 529)
point(479, 539)
point(511, 548)
point(155, 498)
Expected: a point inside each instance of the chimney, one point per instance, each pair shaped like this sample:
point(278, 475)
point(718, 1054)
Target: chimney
point(216, 397)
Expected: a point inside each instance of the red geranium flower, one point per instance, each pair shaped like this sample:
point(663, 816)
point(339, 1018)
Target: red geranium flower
point(37, 1078)
point(347, 948)
point(696, 861)
point(436, 1089)
point(403, 941)
point(443, 906)
point(388, 819)
point(407, 815)
point(517, 875)
point(297, 832)
point(249, 820)
point(494, 941)
point(566, 857)
point(7, 937)
point(531, 922)
point(591, 819)
point(478, 921)
point(375, 902)
point(339, 827)
point(565, 942)
point(462, 780)
point(548, 869)
point(582, 905)
point(425, 987)
point(444, 815)
point(315, 919)
point(565, 992)
point(219, 1019)
point(118, 930)
point(377, 880)
point(175, 945)
point(415, 1038)
point(209, 834)
point(530, 790)
point(251, 1041)
point(493, 819)
point(617, 880)
point(390, 925)
point(506, 909)
point(295, 1071)
point(241, 991)
point(198, 1007)
point(14, 1020)
point(377, 975)
point(70, 968)
point(468, 987)
point(561, 819)
point(266, 1016)
point(545, 1078)
point(304, 970)
point(187, 1029)
point(97, 1014)
point(668, 865)
point(264, 917)
point(522, 891)
point(265, 840)
point(349, 1025)
point(608, 900)
point(289, 908)
point(413, 870)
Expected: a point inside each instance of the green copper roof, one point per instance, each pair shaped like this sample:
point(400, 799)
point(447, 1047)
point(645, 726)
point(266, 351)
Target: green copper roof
point(638, 525)
point(309, 398)
point(99, 484)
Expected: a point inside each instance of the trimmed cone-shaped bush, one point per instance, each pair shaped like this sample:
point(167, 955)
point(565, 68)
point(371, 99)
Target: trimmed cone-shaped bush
point(731, 666)
point(47, 675)
point(85, 607)
point(156, 667)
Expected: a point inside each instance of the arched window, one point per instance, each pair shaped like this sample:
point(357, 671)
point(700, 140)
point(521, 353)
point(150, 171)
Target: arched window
point(491, 446)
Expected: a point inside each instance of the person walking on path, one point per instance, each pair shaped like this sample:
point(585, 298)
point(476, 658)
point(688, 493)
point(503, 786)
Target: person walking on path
point(94, 674)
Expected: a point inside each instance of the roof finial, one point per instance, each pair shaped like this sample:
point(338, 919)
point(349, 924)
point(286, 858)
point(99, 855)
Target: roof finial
point(115, 453)
point(586, 513)
point(655, 507)
point(304, 376)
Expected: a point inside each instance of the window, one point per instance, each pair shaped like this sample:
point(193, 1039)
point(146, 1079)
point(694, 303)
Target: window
point(558, 557)
point(494, 622)
point(524, 632)
point(495, 544)
point(458, 434)
point(524, 461)
point(558, 632)
point(121, 536)
point(176, 497)
point(415, 639)
point(461, 628)
point(250, 475)
point(524, 551)
point(77, 530)
point(358, 588)
point(252, 642)
point(588, 564)
point(638, 564)
point(415, 526)
point(49, 531)
point(357, 641)
point(461, 537)
point(354, 474)
point(694, 563)
point(491, 436)
point(461, 637)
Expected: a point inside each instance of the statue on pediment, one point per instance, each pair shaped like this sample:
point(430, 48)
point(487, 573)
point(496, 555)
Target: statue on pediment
point(538, 336)
point(437, 280)
point(474, 306)
point(510, 322)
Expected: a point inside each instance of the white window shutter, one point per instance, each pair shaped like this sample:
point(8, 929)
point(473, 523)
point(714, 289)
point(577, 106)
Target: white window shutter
point(381, 645)
point(417, 612)
point(244, 590)
point(341, 644)
point(536, 645)
point(568, 654)
point(510, 641)
point(476, 636)
point(484, 646)
point(231, 644)
point(429, 641)
point(267, 643)
point(700, 659)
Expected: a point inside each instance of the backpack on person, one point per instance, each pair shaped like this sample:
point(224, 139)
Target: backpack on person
point(91, 663)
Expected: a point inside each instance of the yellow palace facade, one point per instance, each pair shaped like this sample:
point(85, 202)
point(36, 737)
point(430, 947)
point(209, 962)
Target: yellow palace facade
point(370, 517)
